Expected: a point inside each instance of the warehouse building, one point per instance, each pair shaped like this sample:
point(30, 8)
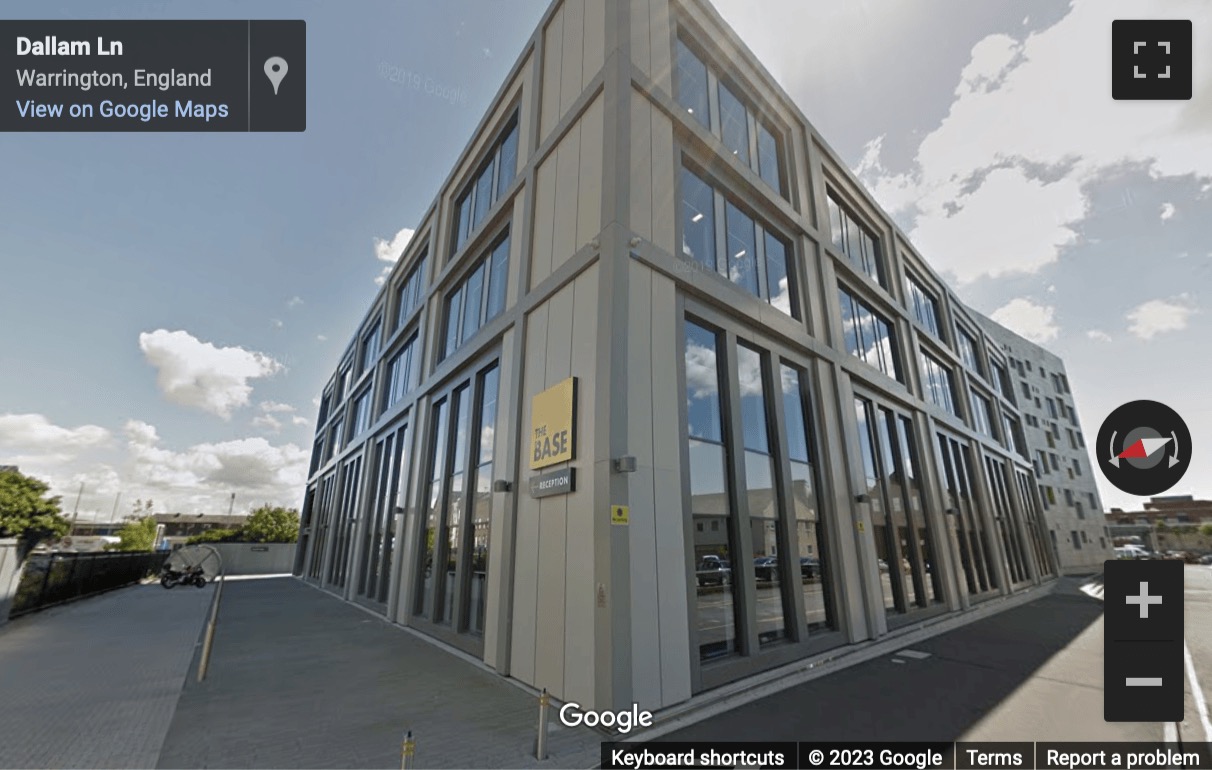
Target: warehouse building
point(657, 397)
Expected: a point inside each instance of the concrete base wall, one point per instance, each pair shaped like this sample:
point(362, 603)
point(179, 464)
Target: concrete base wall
point(257, 558)
point(10, 576)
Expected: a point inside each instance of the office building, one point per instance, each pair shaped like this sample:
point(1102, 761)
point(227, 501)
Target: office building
point(657, 397)
point(1037, 383)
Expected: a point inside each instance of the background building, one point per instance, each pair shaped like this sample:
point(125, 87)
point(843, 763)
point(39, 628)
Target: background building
point(1037, 382)
point(1173, 522)
point(649, 270)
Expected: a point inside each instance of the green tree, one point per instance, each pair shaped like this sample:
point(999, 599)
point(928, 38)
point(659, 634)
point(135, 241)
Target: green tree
point(27, 513)
point(216, 536)
point(138, 535)
point(1205, 530)
point(272, 524)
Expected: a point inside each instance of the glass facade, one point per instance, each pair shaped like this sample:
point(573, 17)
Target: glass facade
point(764, 585)
point(478, 299)
point(810, 562)
point(924, 306)
point(734, 119)
point(692, 85)
point(752, 256)
point(710, 505)
point(856, 242)
point(411, 291)
point(869, 336)
point(938, 384)
point(473, 206)
point(965, 345)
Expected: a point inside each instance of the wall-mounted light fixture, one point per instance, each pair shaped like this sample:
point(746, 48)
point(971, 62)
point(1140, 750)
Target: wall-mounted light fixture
point(501, 485)
point(861, 498)
point(624, 464)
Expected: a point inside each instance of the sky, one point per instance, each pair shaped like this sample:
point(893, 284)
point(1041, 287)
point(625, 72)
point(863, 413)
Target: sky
point(173, 304)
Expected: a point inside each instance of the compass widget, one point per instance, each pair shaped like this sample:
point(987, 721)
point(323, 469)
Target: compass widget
point(1144, 448)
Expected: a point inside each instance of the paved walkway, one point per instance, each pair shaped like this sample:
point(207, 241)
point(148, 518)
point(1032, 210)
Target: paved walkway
point(94, 683)
point(301, 679)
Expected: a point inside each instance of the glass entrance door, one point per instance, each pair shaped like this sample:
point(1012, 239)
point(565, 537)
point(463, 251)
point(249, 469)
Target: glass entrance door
point(453, 568)
point(904, 541)
point(389, 465)
point(959, 482)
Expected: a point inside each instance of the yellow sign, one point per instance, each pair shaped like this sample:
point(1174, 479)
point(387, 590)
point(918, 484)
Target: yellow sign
point(861, 527)
point(620, 514)
point(553, 425)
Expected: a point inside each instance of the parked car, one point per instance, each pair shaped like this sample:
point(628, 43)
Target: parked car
point(766, 568)
point(1207, 559)
point(714, 571)
point(810, 567)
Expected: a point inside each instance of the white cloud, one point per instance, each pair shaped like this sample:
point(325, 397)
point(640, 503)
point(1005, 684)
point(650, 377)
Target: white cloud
point(139, 432)
point(390, 251)
point(321, 338)
point(34, 432)
point(1156, 316)
point(198, 374)
point(1167, 211)
point(199, 478)
point(267, 422)
point(299, 420)
point(1032, 321)
point(294, 302)
point(276, 323)
point(275, 406)
point(1014, 124)
point(1098, 335)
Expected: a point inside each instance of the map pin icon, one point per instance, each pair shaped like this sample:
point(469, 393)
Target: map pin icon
point(275, 70)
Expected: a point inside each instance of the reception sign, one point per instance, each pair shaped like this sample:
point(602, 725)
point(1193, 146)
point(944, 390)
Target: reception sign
point(553, 425)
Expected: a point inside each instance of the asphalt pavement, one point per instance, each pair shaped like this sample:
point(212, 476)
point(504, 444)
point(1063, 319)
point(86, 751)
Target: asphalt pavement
point(1032, 673)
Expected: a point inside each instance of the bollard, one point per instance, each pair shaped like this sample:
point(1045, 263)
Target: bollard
point(540, 746)
point(406, 752)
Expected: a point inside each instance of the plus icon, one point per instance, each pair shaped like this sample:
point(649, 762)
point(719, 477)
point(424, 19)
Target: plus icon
point(1144, 600)
point(1151, 59)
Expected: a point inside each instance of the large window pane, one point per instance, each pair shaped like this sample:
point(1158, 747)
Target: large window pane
point(850, 326)
point(473, 295)
point(692, 85)
point(753, 404)
point(484, 198)
point(507, 166)
point(702, 384)
point(715, 606)
point(837, 226)
point(370, 347)
point(778, 280)
point(498, 276)
point(698, 220)
point(742, 249)
point(768, 158)
point(734, 124)
point(463, 221)
point(423, 604)
point(453, 312)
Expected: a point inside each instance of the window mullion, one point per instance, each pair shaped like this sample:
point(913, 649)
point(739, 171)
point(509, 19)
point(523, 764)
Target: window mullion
point(721, 232)
point(745, 594)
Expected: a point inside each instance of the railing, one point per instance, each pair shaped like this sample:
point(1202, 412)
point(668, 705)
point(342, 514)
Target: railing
point(50, 579)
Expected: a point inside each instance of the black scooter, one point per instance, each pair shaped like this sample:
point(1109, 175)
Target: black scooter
point(170, 577)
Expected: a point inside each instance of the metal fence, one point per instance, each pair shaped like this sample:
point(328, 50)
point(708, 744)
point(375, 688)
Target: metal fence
point(50, 579)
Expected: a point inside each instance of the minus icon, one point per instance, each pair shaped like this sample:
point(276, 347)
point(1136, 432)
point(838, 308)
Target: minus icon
point(1144, 681)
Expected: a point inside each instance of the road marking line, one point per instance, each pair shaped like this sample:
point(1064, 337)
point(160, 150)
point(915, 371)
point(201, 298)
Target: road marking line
point(1200, 704)
point(915, 654)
